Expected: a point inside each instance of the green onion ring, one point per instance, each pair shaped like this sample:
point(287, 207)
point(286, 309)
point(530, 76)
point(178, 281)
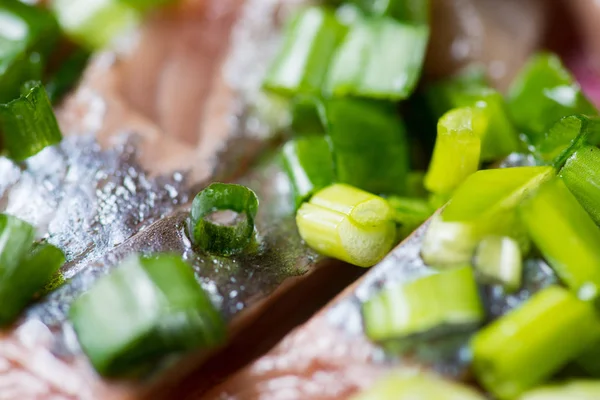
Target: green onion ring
point(221, 239)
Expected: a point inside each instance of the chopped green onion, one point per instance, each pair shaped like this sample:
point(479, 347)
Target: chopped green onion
point(421, 387)
point(28, 35)
point(148, 308)
point(566, 235)
point(566, 136)
point(433, 305)
point(218, 238)
point(309, 42)
point(409, 213)
point(309, 164)
point(145, 5)
point(369, 145)
point(380, 58)
point(457, 149)
point(543, 92)
point(95, 24)
point(347, 223)
point(485, 204)
point(524, 347)
point(306, 116)
point(23, 271)
point(589, 360)
point(28, 124)
point(500, 138)
point(575, 390)
point(581, 174)
point(411, 11)
point(498, 260)
point(67, 75)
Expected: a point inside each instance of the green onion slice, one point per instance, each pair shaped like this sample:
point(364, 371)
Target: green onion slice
point(67, 75)
point(581, 174)
point(574, 390)
point(380, 58)
point(498, 261)
point(347, 223)
point(566, 235)
point(410, 213)
point(309, 164)
point(434, 305)
point(526, 346)
point(145, 310)
point(307, 117)
point(369, 145)
point(218, 238)
point(422, 386)
point(28, 124)
point(543, 92)
point(566, 136)
point(309, 42)
point(485, 204)
point(457, 149)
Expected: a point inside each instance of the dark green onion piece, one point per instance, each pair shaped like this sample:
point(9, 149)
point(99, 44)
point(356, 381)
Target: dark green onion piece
point(417, 387)
point(543, 92)
point(498, 260)
point(217, 238)
point(485, 204)
point(369, 145)
point(309, 42)
point(28, 124)
point(67, 75)
point(574, 390)
point(581, 174)
point(500, 137)
point(307, 116)
point(566, 136)
point(566, 235)
point(146, 309)
point(380, 58)
point(410, 213)
point(526, 346)
point(309, 164)
point(28, 35)
point(589, 360)
point(432, 305)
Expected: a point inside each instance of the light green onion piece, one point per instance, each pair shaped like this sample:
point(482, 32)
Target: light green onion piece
point(349, 224)
point(217, 237)
point(148, 308)
point(485, 204)
point(433, 306)
point(566, 235)
point(581, 174)
point(94, 24)
point(417, 387)
point(380, 58)
point(542, 93)
point(309, 42)
point(457, 149)
point(526, 346)
point(498, 260)
point(28, 124)
point(575, 390)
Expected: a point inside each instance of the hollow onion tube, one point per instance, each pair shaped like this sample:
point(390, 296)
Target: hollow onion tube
point(146, 309)
point(435, 304)
point(500, 137)
point(566, 136)
point(347, 223)
point(581, 174)
point(498, 261)
point(422, 386)
point(457, 149)
point(370, 149)
point(542, 93)
point(485, 204)
point(524, 347)
point(310, 40)
point(574, 390)
point(379, 58)
point(309, 164)
point(566, 235)
point(215, 237)
point(28, 124)
point(28, 35)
